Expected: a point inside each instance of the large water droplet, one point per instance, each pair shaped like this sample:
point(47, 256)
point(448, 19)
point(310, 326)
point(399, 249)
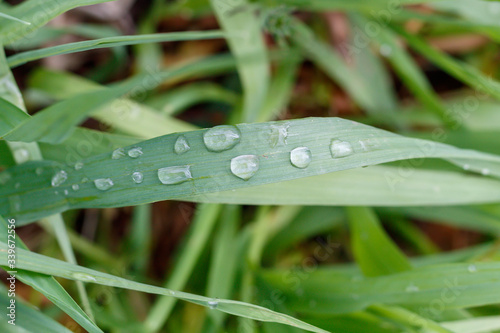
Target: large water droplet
point(137, 177)
point(300, 157)
point(118, 153)
point(245, 166)
point(135, 152)
point(181, 145)
point(59, 178)
point(4, 177)
point(103, 184)
point(472, 268)
point(278, 135)
point(84, 277)
point(174, 174)
point(213, 303)
point(78, 165)
point(221, 138)
point(21, 155)
point(75, 187)
point(340, 148)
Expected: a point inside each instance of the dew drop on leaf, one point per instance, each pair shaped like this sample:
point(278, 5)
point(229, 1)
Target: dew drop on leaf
point(472, 268)
point(245, 166)
point(78, 165)
point(174, 174)
point(75, 187)
point(103, 184)
point(213, 304)
point(181, 145)
point(59, 178)
point(21, 155)
point(84, 277)
point(221, 138)
point(137, 177)
point(300, 157)
point(135, 152)
point(340, 148)
point(278, 135)
point(117, 153)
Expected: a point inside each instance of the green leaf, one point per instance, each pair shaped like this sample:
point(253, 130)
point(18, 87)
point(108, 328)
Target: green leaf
point(374, 251)
point(45, 265)
point(37, 13)
point(10, 116)
point(211, 172)
point(24, 57)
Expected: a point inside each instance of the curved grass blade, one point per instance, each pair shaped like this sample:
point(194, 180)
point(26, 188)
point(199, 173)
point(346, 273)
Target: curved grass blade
point(37, 13)
point(45, 265)
point(24, 57)
point(10, 116)
point(206, 171)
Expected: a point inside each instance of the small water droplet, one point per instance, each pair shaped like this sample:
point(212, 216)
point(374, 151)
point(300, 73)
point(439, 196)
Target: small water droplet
point(174, 174)
point(245, 166)
point(181, 145)
point(300, 157)
point(472, 268)
point(4, 177)
point(278, 135)
point(103, 184)
point(213, 304)
point(221, 138)
point(135, 152)
point(84, 277)
point(60, 177)
point(466, 167)
point(66, 192)
point(78, 165)
point(340, 148)
point(117, 153)
point(137, 177)
point(39, 171)
point(75, 187)
point(85, 179)
point(385, 50)
point(21, 155)
point(485, 172)
point(411, 288)
point(17, 185)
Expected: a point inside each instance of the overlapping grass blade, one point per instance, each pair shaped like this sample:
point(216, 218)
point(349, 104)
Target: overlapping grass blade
point(37, 13)
point(45, 265)
point(107, 42)
point(35, 197)
point(246, 42)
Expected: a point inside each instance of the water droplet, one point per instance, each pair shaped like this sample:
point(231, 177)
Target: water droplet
point(85, 179)
point(39, 171)
point(66, 192)
point(213, 303)
point(485, 172)
point(135, 152)
point(174, 174)
point(245, 166)
point(411, 288)
point(340, 148)
point(118, 153)
point(75, 187)
point(4, 177)
point(472, 268)
point(385, 50)
point(17, 185)
point(103, 184)
point(78, 165)
point(137, 177)
point(278, 135)
point(466, 167)
point(15, 203)
point(181, 145)
point(300, 157)
point(221, 138)
point(84, 277)
point(21, 155)
point(59, 178)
